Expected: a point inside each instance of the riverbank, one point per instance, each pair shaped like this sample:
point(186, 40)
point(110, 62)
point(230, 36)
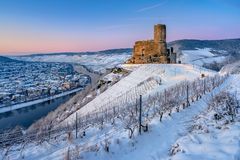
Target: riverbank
point(74, 103)
point(30, 103)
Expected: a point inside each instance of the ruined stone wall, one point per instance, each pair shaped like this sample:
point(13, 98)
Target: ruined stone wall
point(148, 52)
point(152, 51)
point(143, 50)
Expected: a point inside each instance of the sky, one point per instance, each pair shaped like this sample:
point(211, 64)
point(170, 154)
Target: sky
point(43, 26)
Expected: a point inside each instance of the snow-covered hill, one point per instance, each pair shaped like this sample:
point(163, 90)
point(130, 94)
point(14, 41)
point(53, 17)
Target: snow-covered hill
point(170, 137)
point(110, 141)
point(229, 45)
point(201, 56)
point(97, 61)
point(212, 54)
point(143, 80)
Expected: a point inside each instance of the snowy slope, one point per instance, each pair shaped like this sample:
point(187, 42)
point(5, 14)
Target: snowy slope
point(154, 144)
point(143, 80)
point(200, 56)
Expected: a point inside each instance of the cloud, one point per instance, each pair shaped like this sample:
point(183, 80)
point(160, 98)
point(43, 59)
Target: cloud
point(152, 7)
point(159, 18)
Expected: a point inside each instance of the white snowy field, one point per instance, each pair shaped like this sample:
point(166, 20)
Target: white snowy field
point(97, 62)
point(200, 56)
point(154, 144)
point(143, 80)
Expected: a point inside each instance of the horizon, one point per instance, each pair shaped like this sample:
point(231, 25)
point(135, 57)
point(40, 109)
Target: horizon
point(44, 27)
point(62, 52)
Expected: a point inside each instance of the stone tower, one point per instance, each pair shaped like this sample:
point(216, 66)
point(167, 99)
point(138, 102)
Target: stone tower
point(159, 33)
point(160, 42)
point(160, 38)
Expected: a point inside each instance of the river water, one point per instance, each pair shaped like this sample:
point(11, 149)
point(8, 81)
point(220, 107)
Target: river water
point(26, 116)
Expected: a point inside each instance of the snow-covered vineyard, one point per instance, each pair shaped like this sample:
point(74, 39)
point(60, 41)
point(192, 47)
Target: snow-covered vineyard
point(143, 80)
point(108, 126)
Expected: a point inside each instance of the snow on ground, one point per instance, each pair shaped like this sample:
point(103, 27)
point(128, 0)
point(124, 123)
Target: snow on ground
point(151, 145)
point(220, 144)
point(111, 77)
point(212, 139)
point(97, 62)
point(156, 143)
point(141, 81)
point(200, 56)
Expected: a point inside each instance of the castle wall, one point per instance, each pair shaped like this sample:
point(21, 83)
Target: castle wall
point(144, 51)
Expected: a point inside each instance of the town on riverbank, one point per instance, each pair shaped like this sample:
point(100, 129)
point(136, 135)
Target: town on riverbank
point(22, 82)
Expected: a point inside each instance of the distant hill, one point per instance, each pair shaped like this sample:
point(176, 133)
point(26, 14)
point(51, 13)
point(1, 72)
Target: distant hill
point(220, 52)
point(6, 59)
point(96, 61)
point(109, 51)
point(230, 45)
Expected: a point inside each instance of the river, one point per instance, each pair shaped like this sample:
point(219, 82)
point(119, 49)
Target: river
point(26, 116)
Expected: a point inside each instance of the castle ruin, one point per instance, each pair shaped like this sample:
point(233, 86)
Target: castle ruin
point(153, 51)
